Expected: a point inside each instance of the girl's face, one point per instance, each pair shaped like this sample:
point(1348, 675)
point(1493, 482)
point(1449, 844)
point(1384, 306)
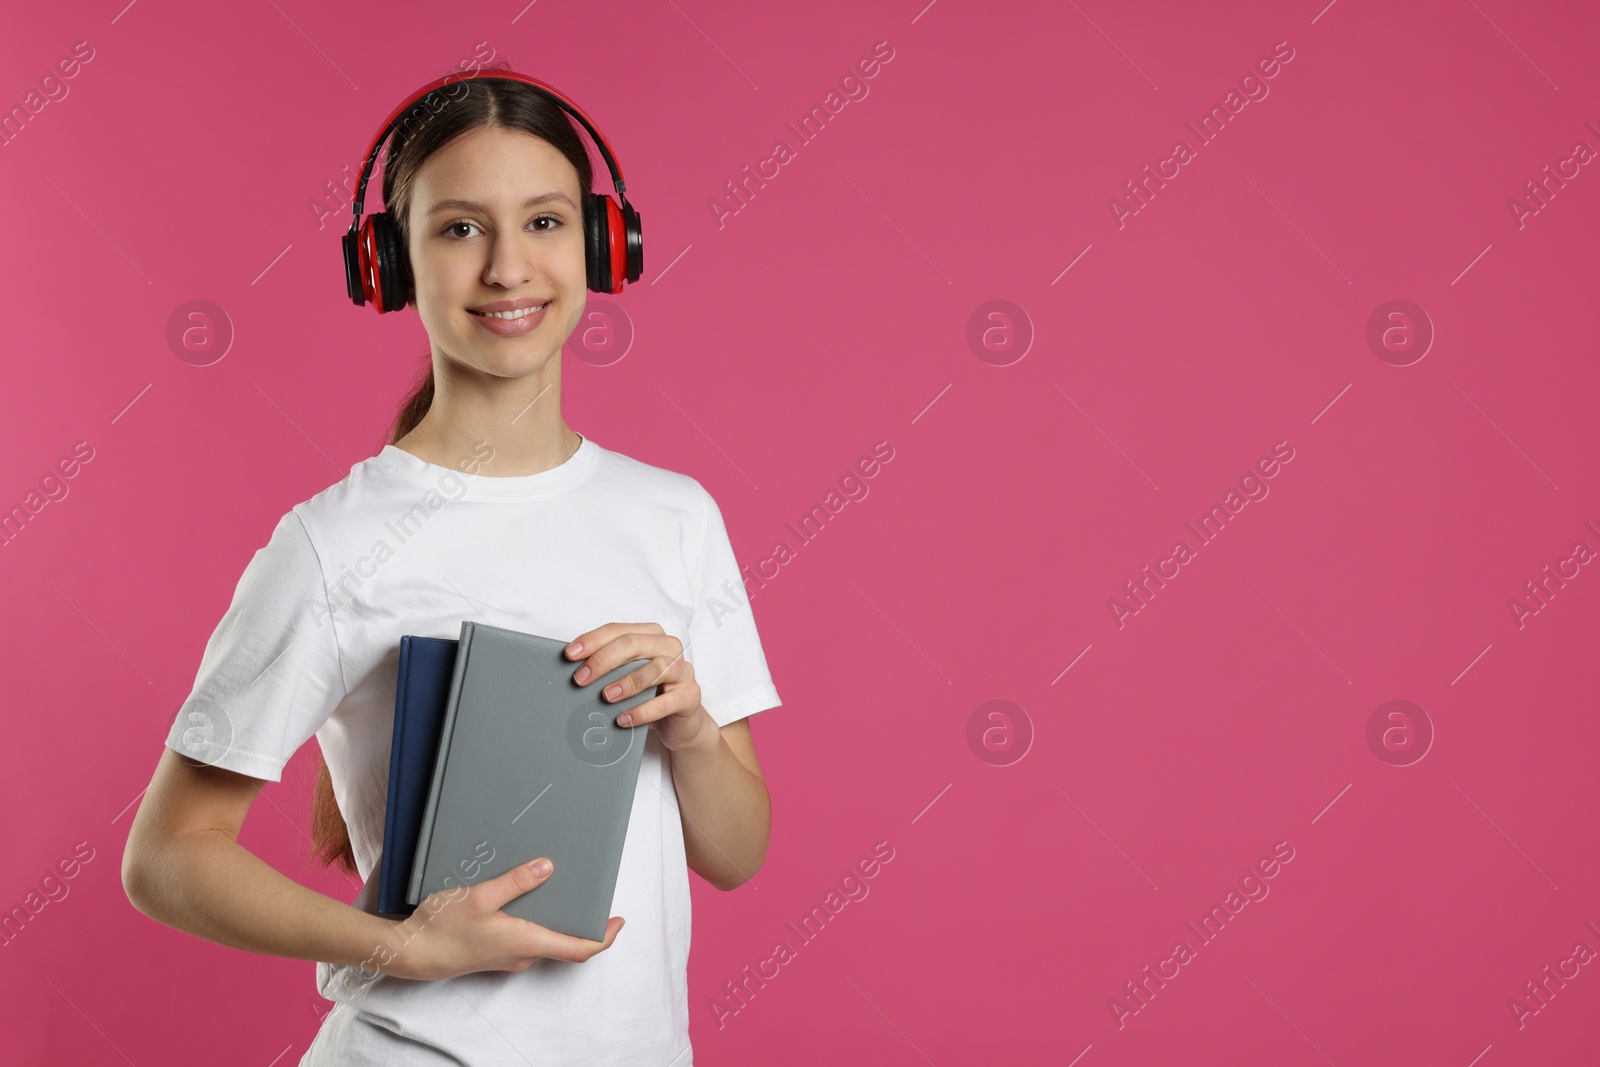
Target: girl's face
point(496, 220)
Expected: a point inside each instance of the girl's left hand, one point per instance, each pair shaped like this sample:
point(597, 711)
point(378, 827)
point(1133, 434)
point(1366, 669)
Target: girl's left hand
point(680, 720)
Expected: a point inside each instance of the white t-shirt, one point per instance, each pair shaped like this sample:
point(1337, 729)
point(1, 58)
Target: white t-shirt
point(310, 645)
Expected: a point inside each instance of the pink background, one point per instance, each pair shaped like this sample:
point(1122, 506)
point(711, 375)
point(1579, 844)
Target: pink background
point(1163, 757)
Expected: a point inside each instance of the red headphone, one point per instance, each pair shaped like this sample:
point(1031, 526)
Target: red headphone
point(377, 269)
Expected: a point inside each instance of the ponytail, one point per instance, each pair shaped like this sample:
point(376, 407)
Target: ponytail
point(416, 406)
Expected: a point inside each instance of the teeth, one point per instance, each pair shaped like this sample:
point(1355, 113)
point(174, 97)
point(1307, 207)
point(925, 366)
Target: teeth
point(518, 314)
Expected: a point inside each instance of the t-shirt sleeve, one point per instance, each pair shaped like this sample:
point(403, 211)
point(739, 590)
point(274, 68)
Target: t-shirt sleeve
point(723, 643)
point(271, 672)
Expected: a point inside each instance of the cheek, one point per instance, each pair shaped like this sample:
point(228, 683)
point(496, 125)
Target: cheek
point(570, 264)
point(441, 283)
point(574, 321)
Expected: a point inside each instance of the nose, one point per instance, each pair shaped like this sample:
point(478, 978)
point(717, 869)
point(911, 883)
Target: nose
point(510, 264)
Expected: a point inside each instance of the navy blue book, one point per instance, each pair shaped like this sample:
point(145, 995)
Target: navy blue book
point(422, 691)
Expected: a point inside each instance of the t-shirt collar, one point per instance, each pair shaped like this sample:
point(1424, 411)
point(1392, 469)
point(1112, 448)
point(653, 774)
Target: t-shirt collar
point(457, 484)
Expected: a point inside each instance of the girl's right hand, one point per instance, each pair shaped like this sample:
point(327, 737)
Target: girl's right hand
point(454, 932)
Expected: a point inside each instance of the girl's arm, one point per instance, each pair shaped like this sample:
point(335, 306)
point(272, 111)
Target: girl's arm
point(184, 867)
point(724, 803)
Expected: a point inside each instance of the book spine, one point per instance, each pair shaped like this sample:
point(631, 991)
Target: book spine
point(389, 872)
point(430, 812)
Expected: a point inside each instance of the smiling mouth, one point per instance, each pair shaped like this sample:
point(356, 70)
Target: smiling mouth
point(510, 316)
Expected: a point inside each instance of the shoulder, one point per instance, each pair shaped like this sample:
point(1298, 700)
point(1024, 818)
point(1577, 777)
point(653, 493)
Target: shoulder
point(674, 504)
point(657, 483)
point(652, 492)
point(295, 545)
point(358, 495)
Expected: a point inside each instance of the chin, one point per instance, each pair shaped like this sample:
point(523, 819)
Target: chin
point(513, 361)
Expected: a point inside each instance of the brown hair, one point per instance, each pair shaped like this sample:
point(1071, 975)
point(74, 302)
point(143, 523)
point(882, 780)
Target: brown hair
point(467, 105)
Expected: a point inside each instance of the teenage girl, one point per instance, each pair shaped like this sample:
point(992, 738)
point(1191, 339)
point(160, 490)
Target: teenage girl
point(484, 505)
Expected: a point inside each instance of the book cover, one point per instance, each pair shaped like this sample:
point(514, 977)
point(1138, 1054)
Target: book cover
point(530, 764)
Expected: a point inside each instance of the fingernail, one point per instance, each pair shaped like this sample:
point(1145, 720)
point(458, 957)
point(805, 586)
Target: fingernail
point(582, 675)
point(540, 868)
point(575, 649)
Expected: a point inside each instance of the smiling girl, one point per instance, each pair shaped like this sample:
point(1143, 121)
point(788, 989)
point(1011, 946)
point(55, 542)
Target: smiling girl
point(488, 185)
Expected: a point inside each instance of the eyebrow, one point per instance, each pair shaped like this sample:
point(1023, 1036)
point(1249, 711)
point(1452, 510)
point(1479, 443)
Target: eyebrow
point(532, 201)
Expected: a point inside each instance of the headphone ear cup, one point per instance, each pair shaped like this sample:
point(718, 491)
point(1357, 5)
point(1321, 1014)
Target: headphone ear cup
point(353, 268)
point(635, 243)
point(597, 242)
point(393, 264)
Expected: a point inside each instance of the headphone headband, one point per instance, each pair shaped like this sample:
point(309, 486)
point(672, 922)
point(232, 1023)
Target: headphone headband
point(462, 76)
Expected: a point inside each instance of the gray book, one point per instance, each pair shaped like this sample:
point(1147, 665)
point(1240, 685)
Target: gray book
point(530, 764)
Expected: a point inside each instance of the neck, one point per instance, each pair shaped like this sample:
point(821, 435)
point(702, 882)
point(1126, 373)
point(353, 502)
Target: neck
point(494, 426)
